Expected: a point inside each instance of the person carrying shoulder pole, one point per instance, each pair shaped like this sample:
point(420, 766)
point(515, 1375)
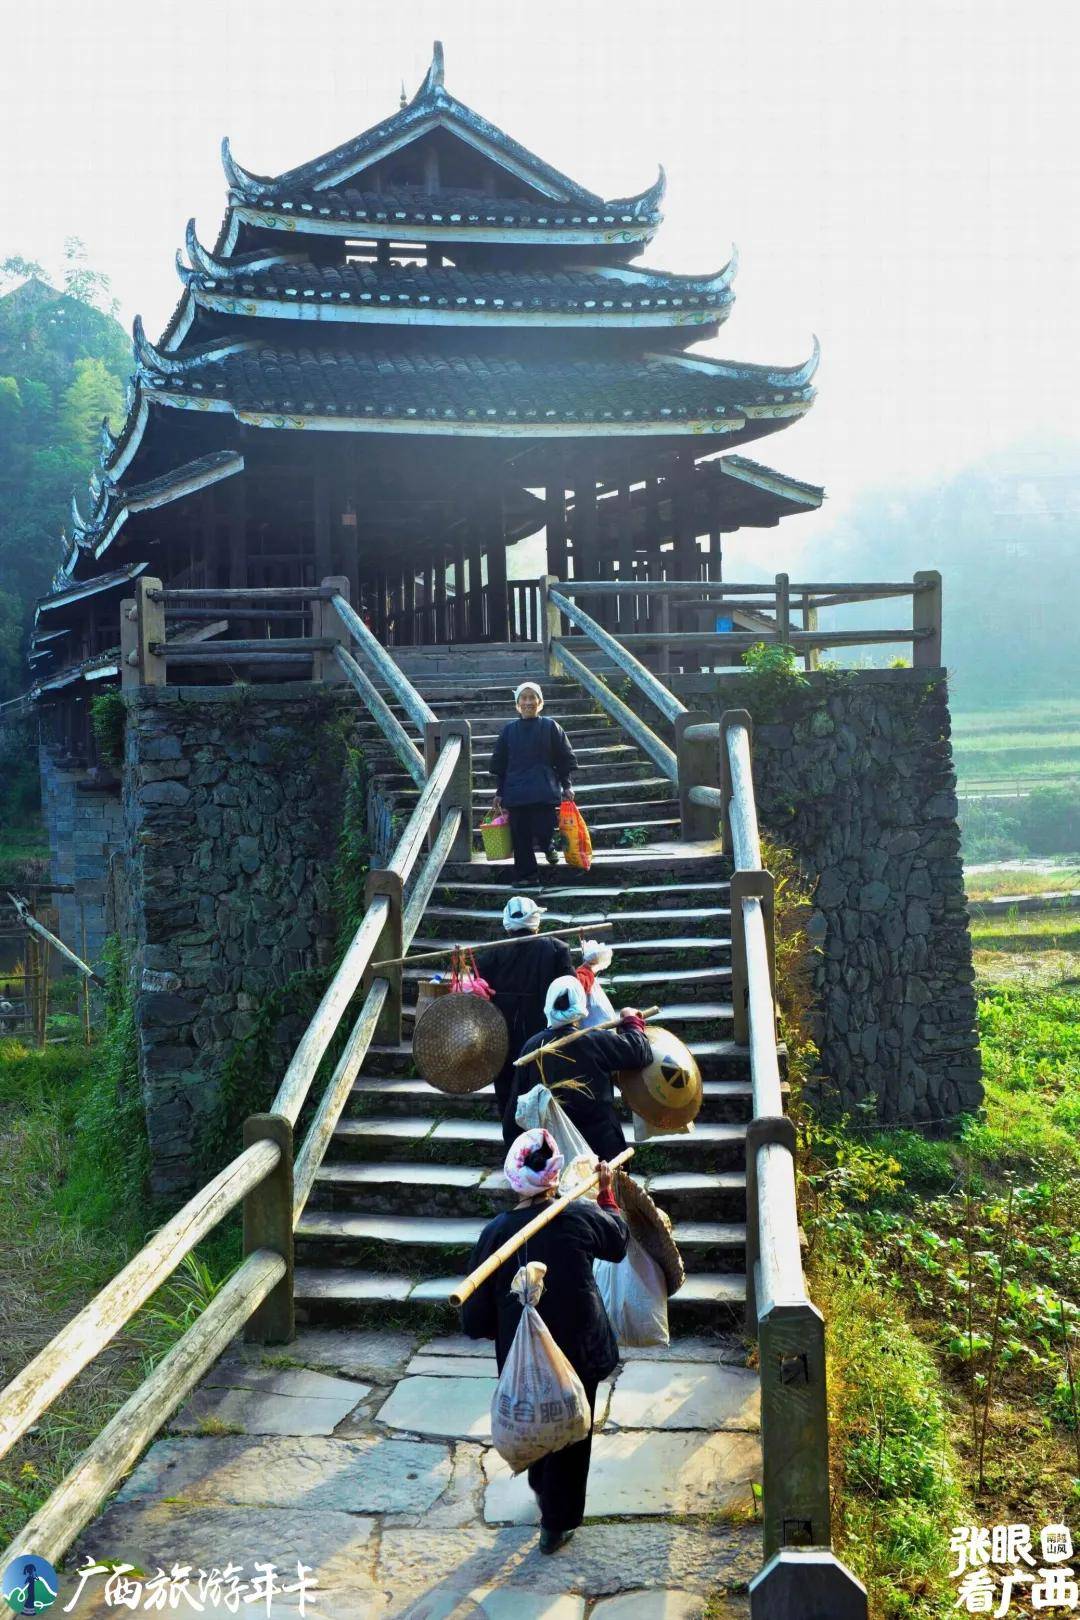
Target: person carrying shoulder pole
point(570, 1306)
point(520, 975)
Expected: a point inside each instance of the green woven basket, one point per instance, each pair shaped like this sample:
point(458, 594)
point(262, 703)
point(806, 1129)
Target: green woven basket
point(498, 845)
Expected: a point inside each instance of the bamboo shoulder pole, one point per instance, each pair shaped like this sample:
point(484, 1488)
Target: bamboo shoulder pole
point(491, 944)
point(575, 1034)
point(468, 1285)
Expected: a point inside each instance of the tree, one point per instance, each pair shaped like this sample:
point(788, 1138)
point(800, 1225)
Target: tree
point(94, 393)
point(88, 286)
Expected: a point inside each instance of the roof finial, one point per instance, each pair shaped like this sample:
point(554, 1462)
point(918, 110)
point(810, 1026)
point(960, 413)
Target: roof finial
point(404, 102)
point(434, 79)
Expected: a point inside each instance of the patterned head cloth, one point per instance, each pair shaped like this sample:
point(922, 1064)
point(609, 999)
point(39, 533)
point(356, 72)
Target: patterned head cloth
point(565, 1002)
point(530, 686)
point(526, 1168)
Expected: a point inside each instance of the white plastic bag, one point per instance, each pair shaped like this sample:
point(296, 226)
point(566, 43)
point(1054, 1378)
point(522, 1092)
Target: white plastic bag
point(538, 1110)
point(635, 1296)
point(539, 1403)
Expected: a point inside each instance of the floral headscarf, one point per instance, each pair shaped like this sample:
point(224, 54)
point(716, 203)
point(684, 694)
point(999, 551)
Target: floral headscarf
point(518, 1173)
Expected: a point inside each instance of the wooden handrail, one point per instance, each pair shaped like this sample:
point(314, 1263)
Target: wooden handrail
point(418, 711)
point(746, 840)
point(336, 1095)
point(33, 1389)
point(419, 823)
point(643, 735)
point(107, 1459)
point(705, 587)
point(643, 678)
point(387, 721)
point(292, 1093)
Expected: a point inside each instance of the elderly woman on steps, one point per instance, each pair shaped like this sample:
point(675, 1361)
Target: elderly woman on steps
point(570, 1306)
point(532, 764)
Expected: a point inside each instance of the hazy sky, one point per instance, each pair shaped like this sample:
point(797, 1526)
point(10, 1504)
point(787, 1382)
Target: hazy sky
point(903, 179)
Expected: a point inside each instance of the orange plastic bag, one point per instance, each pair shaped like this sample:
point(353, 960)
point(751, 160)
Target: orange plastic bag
point(575, 835)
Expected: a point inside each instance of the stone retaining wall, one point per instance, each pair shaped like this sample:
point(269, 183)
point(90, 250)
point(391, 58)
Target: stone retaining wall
point(233, 806)
point(855, 775)
point(84, 824)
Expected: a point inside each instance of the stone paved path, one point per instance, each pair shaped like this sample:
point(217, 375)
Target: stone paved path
point(367, 1456)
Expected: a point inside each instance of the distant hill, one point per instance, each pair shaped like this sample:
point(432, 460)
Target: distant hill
point(63, 366)
point(1005, 535)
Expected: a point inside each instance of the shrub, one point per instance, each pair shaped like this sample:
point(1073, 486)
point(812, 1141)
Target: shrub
point(1049, 819)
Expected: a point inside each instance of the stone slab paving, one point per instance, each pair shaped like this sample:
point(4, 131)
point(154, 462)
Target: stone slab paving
point(369, 1474)
point(404, 1511)
point(643, 1472)
point(455, 1406)
point(686, 1395)
point(290, 1401)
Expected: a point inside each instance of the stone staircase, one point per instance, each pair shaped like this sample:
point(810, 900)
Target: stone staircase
point(411, 1174)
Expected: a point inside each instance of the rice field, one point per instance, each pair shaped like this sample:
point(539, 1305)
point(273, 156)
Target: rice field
point(1016, 749)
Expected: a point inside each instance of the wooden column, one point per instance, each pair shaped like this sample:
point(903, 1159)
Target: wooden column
point(498, 616)
point(460, 628)
point(585, 555)
point(685, 515)
point(322, 518)
point(653, 565)
point(476, 590)
point(625, 547)
point(558, 556)
point(237, 524)
point(407, 625)
point(716, 538)
point(439, 630)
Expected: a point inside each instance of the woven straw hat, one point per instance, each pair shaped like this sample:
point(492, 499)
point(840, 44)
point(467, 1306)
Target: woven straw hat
point(460, 1043)
point(652, 1228)
point(668, 1093)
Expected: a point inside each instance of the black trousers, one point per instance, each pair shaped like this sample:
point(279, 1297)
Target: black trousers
point(560, 1479)
point(532, 827)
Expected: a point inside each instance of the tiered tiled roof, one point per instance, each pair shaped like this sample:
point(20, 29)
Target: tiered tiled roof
point(293, 287)
point(428, 270)
point(660, 393)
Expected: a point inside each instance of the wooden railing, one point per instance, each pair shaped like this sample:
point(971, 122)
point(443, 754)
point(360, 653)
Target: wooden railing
point(775, 612)
point(780, 1315)
point(258, 1297)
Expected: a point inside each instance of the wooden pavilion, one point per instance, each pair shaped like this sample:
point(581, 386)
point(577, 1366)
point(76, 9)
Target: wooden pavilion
point(397, 360)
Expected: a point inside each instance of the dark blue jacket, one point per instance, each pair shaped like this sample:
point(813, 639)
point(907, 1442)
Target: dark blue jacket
point(532, 762)
point(570, 1304)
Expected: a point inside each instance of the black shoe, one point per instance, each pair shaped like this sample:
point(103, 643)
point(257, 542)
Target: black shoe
point(553, 853)
point(552, 1540)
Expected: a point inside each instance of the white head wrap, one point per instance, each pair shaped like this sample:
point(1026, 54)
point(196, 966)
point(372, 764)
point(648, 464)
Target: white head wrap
point(596, 955)
point(530, 686)
point(565, 1002)
point(522, 915)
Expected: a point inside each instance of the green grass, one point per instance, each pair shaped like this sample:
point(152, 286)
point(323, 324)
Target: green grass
point(1021, 880)
point(1055, 929)
point(74, 1209)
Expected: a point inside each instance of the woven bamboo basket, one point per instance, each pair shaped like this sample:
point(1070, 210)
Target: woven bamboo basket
point(460, 1043)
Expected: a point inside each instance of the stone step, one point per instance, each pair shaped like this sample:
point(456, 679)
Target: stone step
point(717, 1059)
point(715, 1145)
point(594, 775)
point(639, 931)
point(690, 1020)
point(594, 798)
point(624, 868)
point(722, 1099)
point(632, 821)
point(343, 1295)
point(433, 1244)
point(608, 899)
point(424, 1188)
